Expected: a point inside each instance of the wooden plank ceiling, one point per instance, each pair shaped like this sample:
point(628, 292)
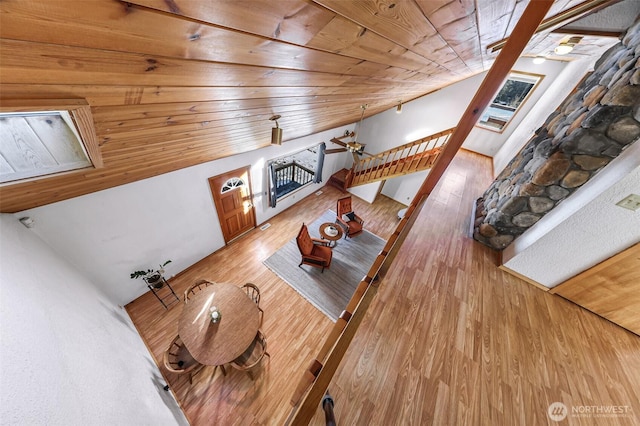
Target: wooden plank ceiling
point(174, 83)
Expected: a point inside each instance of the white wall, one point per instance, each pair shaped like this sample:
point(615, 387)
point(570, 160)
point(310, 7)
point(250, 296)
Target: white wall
point(366, 192)
point(109, 234)
point(584, 229)
point(69, 355)
point(421, 117)
point(549, 100)
point(442, 110)
point(488, 142)
point(403, 189)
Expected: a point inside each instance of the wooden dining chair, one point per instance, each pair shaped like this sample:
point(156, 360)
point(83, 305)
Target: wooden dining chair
point(195, 288)
point(253, 292)
point(177, 359)
point(252, 356)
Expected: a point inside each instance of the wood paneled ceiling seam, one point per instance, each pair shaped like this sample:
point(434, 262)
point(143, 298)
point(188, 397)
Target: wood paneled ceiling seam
point(213, 120)
point(329, 54)
point(355, 21)
point(126, 63)
point(284, 41)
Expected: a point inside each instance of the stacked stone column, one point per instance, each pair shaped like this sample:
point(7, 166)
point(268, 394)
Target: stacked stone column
point(591, 127)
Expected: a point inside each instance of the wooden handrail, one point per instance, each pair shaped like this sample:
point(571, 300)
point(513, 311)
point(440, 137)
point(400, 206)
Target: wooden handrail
point(306, 407)
point(410, 157)
point(413, 143)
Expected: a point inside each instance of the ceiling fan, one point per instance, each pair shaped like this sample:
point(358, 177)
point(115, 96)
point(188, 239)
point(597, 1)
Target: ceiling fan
point(353, 146)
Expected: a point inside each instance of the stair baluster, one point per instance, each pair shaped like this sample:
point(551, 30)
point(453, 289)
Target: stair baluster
point(408, 158)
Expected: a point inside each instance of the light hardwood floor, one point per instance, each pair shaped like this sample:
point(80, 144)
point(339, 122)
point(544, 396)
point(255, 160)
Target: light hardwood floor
point(449, 338)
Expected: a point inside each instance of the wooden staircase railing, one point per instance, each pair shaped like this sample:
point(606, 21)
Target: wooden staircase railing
point(404, 159)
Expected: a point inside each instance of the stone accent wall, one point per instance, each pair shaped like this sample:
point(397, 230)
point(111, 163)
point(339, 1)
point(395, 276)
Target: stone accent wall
point(591, 127)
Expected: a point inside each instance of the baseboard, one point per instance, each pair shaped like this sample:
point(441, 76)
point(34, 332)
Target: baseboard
point(472, 225)
point(523, 278)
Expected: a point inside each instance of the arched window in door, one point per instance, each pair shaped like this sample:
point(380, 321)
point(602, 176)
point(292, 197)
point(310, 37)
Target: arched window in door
point(231, 183)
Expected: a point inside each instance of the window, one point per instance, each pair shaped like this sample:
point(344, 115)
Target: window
point(232, 183)
point(292, 172)
point(46, 137)
point(514, 92)
point(295, 171)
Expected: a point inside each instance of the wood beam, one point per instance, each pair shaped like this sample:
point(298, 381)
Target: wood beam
point(587, 32)
point(534, 13)
point(524, 30)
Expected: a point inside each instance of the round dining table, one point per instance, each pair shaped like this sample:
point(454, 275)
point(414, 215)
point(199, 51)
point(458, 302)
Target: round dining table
point(223, 341)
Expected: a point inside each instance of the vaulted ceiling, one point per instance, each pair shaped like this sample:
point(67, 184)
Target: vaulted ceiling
point(174, 83)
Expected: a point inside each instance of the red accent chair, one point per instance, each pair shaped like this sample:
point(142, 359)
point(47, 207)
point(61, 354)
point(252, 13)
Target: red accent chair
point(314, 251)
point(351, 222)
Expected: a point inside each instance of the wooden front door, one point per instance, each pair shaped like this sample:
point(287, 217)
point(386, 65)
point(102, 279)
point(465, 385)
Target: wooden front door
point(234, 202)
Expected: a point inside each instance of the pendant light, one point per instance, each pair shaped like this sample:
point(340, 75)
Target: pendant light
point(354, 146)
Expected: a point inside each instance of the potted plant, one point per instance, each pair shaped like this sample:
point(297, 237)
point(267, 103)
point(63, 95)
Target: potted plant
point(150, 276)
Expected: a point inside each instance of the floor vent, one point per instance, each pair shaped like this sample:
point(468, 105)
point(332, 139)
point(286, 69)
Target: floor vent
point(265, 226)
point(319, 193)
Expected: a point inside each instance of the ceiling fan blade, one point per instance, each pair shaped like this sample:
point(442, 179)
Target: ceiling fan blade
point(334, 150)
point(338, 141)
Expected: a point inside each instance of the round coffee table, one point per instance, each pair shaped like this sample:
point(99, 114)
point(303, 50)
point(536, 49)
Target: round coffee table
point(331, 232)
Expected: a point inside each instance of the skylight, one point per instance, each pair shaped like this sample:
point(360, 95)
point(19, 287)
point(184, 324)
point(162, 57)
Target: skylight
point(38, 144)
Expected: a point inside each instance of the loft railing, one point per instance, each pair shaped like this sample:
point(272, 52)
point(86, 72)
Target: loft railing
point(411, 157)
point(407, 158)
point(290, 177)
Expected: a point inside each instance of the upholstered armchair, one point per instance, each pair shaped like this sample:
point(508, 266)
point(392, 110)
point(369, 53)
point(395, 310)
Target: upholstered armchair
point(351, 222)
point(314, 252)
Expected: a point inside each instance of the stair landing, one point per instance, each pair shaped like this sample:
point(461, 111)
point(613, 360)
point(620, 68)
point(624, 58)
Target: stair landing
point(339, 179)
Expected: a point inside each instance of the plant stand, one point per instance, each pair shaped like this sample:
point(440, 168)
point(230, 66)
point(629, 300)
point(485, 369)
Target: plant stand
point(163, 292)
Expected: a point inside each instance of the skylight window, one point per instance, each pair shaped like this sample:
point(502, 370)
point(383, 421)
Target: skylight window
point(37, 141)
point(38, 144)
point(514, 92)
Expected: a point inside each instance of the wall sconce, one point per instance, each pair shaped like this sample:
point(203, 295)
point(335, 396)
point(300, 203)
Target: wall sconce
point(27, 221)
point(399, 107)
point(276, 132)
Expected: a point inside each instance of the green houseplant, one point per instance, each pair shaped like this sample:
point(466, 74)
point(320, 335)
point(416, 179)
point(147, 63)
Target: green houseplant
point(152, 277)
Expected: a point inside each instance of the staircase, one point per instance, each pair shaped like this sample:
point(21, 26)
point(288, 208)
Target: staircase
point(402, 160)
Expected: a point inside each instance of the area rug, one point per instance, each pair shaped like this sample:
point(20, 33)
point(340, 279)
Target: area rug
point(331, 290)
